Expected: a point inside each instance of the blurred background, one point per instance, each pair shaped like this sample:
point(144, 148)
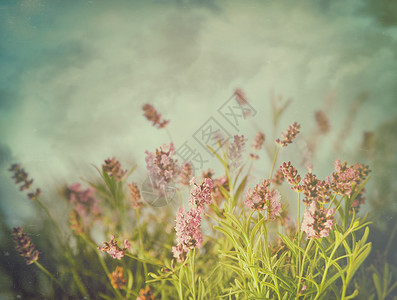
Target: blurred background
point(75, 74)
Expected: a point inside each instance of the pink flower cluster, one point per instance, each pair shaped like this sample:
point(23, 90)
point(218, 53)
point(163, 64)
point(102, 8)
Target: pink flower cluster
point(188, 228)
point(113, 168)
point(236, 150)
point(200, 195)
point(113, 249)
point(153, 116)
point(289, 135)
point(317, 222)
point(217, 184)
point(84, 201)
point(315, 190)
point(188, 223)
point(186, 174)
point(278, 177)
point(290, 173)
point(347, 178)
point(135, 195)
point(258, 141)
point(162, 168)
point(263, 198)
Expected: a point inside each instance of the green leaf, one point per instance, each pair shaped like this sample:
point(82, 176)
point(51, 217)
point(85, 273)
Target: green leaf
point(241, 187)
point(130, 279)
point(224, 192)
point(219, 158)
point(356, 263)
point(377, 285)
point(355, 293)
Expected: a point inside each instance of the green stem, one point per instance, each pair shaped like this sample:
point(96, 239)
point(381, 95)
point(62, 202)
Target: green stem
point(193, 271)
point(49, 274)
point(141, 242)
point(103, 264)
point(389, 242)
point(302, 267)
point(274, 162)
point(299, 269)
point(327, 266)
point(76, 276)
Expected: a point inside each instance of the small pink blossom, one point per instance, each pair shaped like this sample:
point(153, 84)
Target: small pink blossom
point(113, 249)
point(236, 150)
point(289, 135)
point(264, 198)
point(347, 179)
point(317, 222)
point(84, 202)
point(200, 195)
point(186, 174)
point(240, 96)
point(188, 229)
point(153, 116)
point(113, 168)
point(258, 141)
point(290, 173)
point(161, 166)
point(179, 253)
point(315, 189)
point(135, 195)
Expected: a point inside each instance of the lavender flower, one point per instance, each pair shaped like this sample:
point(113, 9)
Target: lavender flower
point(113, 249)
point(162, 168)
point(317, 222)
point(20, 176)
point(153, 116)
point(188, 229)
point(240, 96)
point(315, 190)
point(242, 101)
point(322, 122)
point(84, 202)
point(117, 278)
point(236, 150)
point(145, 294)
point(208, 174)
point(346, 178)
point(200, 195)
point(290, 173)
point(258, 141)
point(113, 168)
point(278, 177)
point(289, 135)
point(179, 253)
point(36, 195)
point(24, 247)
point(263, 198)
point(186, 174)
point(135, 195)
point(76, 223)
